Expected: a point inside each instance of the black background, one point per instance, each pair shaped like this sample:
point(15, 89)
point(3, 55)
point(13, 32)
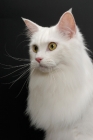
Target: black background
point(14, 124)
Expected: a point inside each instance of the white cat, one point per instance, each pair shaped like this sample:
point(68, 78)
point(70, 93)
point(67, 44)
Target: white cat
point(60, 99)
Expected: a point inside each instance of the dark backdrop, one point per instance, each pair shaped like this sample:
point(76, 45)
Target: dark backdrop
point(14, 124)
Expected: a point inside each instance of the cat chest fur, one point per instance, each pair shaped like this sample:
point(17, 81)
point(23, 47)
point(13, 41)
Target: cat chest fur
point(53, 101)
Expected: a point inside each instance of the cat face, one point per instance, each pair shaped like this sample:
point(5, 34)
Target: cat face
point(52, 48)
point(46, 50)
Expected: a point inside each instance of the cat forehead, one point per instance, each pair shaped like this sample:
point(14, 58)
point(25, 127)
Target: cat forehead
point(45, 35)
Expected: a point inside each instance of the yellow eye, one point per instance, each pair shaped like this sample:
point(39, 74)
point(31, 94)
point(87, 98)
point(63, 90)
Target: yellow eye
point(35, 48)
point(52, 46)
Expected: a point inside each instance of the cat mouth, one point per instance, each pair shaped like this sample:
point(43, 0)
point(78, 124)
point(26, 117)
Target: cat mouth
point(43, 68)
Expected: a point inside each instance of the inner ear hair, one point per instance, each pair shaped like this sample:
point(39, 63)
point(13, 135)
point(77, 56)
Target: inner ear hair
point(67, 24)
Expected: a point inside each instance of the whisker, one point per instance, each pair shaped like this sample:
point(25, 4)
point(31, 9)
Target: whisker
point(19, 73)
point(13, 72)
point(27, 81)
point(21, 34)
point(10, 66)
point(21, 43)
point(5, 65)
point(23, 68)
point(32, 71)
point(22, 87)
point(19, 59)
point(19, 78)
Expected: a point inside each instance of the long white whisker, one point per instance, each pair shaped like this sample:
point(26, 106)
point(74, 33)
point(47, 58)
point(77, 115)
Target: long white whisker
point(21, 43)
point(27, 81)
point(13, 72)
point(21, 34)
point(19, 59)
point(32, 71)
point(5, 65)
point(10, 66)
point(19, 77)
point(20, 73)
point(22, 87)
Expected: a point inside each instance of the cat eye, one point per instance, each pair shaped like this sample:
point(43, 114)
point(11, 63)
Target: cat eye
point(52, 46)
point(35, 48)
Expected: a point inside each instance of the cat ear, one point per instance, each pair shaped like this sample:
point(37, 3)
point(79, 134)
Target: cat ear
point(31, 26)
point(66, 24)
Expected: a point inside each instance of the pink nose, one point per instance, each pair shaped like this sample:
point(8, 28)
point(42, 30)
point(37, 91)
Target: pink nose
point(38, 59)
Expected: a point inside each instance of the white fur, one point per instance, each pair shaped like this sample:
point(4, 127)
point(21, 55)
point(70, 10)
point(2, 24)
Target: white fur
point(60, 99)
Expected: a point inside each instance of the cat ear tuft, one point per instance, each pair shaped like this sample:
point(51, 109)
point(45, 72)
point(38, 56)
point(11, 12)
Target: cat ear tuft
point(67, 25)
point(70, 10)
point(31, 26)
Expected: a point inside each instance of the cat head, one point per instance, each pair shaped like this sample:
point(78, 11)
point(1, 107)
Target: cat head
point(55, 47)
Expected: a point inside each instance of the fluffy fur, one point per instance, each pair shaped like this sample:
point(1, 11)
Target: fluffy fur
point(60, 99)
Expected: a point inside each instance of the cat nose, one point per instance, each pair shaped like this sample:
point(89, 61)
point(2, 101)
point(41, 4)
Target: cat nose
point(38, 59)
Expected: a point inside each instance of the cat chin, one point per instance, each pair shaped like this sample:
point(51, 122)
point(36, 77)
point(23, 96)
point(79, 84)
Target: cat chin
point(45, 69)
